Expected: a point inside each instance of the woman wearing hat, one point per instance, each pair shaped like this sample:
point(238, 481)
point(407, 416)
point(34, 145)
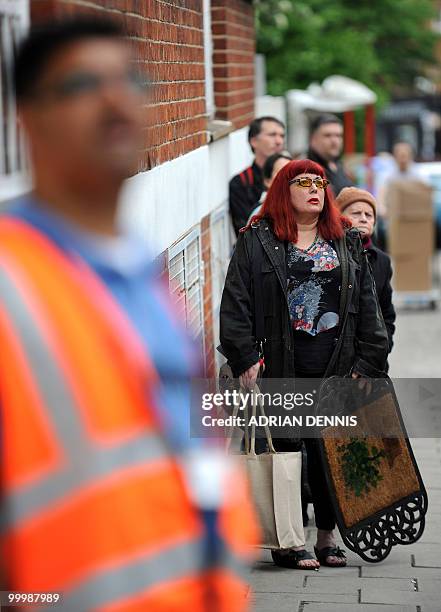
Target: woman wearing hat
point(361, 208)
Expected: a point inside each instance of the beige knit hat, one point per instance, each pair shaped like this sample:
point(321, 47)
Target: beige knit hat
point(349, 195)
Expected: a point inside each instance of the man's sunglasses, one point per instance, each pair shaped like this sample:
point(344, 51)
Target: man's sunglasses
point(307, 182)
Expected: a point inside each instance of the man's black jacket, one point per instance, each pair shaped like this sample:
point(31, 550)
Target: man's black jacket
point(244, 195)
point(364, 345)
point(382, 273)
point(337, 178)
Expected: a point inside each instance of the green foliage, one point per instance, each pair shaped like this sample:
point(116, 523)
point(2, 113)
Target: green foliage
point(360, 465)
point(382, 43)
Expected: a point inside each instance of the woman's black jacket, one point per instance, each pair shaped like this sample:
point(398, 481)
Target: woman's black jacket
point(364, 345)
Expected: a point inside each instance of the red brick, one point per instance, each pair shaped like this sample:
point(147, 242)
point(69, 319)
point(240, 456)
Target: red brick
point(166, 40)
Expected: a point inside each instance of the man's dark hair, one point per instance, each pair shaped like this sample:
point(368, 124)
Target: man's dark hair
point(324, 120)
point(255, 126)
point(268, 166)
point(46, 40)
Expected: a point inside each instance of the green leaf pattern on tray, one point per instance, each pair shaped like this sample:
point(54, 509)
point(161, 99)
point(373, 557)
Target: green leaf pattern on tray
point(360, 465)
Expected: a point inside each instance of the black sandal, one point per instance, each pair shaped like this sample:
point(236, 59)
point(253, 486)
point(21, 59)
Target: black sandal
point(330, 551)
point(291, 559)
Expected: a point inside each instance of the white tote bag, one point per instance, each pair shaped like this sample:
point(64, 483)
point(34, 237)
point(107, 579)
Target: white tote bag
point(275, 483)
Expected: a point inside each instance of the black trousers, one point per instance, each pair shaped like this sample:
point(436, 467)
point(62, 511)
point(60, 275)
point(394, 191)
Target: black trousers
point(321, 500)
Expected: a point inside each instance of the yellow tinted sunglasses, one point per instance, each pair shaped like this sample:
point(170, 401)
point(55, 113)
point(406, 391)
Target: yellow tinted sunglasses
point(307, 182)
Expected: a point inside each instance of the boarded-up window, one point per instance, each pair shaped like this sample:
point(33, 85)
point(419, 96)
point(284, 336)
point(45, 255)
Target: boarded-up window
point(185, 274)
point(221, 245)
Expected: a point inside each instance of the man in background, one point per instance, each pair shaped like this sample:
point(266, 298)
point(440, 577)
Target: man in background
point(404, 160)
point(326, 147)
point(266, 136)
point(404, 169)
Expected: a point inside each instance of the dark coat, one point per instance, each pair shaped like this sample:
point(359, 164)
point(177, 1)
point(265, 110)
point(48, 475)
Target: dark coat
point(244, 195)
point(338, 178)
point(364, 343)
point(382, 272)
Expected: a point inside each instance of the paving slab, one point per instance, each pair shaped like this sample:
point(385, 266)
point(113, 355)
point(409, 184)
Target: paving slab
point(350, 571)
point(280, 602)
point(430, 586)
point(324, 607)
point(427, 559)
point(400, 571)
point(317, 584)
point(328, 598)
point(376, 595)
point(276, 579)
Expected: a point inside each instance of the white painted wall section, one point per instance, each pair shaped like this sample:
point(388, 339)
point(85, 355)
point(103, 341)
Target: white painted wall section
point(240, 155)
point(274, 106)
point(163, 204)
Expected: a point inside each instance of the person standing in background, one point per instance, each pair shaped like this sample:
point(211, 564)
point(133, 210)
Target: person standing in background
point(271, 167)
point(404, 160)
point(360, 207)
point(405, 169)
point(266, 136)
point(326, 147)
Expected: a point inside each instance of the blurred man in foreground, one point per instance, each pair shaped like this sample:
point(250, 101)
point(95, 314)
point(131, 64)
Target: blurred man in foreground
point(266, 136)
point(97, 499)
point(325, 148)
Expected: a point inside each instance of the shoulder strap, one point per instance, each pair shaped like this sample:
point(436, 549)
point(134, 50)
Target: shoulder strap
point(247, 177)
point(259, 321)
point(244, 178)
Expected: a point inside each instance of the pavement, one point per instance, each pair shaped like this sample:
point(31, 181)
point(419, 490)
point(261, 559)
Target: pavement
point(409, 580)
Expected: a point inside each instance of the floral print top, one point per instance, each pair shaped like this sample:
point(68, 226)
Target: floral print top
point(314, 278)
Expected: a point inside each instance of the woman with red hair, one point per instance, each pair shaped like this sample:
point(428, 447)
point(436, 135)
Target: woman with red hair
point(320, 310)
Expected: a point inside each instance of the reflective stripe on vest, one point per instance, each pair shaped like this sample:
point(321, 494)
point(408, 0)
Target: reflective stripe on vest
point(92, 503)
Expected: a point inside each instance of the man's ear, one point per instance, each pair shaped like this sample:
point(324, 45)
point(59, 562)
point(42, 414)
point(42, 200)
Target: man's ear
point(267, 183)
point(253, 143)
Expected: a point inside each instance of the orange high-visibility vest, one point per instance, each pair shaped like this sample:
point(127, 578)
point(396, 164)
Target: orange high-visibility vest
point(93, 505)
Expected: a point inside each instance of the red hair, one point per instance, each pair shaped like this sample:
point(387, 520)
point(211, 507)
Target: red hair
point(279, 209)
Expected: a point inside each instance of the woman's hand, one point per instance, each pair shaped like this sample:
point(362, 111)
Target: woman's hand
point(249, 377)
point(363, 382)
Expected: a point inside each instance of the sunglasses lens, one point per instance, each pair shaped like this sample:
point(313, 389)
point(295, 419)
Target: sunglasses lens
point(307, 182)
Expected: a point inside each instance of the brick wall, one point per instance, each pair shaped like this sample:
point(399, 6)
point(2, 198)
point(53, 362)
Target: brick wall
point(167, 41)
point(233, 60)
